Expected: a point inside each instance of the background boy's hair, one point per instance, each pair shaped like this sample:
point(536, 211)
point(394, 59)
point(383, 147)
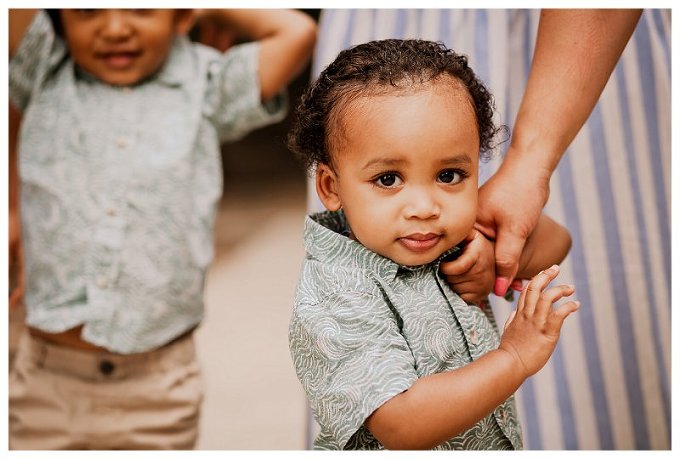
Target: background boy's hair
point(55, 18)
point(377, 68)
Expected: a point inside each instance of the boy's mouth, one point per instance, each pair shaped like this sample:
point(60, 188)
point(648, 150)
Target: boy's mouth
point(119, 59)
point(419, 242)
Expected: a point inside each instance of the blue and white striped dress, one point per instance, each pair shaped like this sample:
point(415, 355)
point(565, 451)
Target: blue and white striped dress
point(608, 383)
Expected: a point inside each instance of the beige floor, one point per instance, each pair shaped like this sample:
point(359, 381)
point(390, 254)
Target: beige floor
point(253, 399)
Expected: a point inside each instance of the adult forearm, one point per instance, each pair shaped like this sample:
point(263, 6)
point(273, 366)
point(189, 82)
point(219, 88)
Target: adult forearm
point(576, 51)
point(440, 406)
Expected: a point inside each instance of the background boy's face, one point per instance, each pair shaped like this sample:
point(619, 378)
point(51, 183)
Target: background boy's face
point(122, 47)
point(405, 171)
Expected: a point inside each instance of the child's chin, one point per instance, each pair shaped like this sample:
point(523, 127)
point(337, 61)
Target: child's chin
point(417, 260)
point(118, 81)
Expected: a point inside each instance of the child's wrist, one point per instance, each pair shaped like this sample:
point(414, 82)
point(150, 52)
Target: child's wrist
point(512, 363)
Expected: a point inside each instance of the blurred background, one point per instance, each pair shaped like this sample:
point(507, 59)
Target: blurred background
point(253, 400)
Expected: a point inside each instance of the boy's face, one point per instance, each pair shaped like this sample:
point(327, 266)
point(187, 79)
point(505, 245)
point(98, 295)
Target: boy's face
point(122, 47)
point(405, 172)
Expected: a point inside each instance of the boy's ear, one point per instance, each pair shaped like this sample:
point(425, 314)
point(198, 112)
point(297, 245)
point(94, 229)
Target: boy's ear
point(327, 187)
point(184, 21)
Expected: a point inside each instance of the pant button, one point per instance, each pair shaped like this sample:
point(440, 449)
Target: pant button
point(106, 367)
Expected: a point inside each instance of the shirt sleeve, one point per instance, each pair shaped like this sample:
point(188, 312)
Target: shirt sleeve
point(38, 52)
point(351, 358)
point(234, 102)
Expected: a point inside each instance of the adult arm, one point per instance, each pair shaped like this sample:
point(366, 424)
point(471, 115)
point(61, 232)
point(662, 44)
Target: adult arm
point(286, 37)
point(576, 51)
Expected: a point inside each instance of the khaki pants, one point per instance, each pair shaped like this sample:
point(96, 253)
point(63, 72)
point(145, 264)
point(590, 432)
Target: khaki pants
point(64, 398)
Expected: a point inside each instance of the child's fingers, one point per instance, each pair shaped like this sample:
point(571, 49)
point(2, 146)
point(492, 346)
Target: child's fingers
point(550, 296)
point(556, 318)
point(532, 291)
point(510, 317)
point(460, 265)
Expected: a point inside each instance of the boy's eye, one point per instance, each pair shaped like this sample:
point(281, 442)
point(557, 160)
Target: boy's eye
point(450, 176)
point(388, 180)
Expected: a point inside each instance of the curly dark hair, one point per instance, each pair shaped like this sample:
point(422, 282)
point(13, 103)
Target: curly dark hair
point(377, 68)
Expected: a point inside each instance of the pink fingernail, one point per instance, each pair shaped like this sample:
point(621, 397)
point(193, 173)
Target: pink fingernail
point(501, 286)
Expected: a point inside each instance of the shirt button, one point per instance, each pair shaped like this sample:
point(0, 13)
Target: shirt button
point(121, 142)
point(474, 337)
point(102, 282)
point(503, 415)
point(214, 68)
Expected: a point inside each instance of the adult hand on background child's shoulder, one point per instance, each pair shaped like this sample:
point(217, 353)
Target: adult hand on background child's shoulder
point(472, 274)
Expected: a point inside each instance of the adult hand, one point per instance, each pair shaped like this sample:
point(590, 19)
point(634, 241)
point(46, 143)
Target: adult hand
point(576, 51)
point(510, 204)
point(471, 275)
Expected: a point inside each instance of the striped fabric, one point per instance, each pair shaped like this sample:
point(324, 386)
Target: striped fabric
point(608, 383)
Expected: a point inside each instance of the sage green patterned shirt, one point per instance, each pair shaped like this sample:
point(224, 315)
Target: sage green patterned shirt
point(364, 329)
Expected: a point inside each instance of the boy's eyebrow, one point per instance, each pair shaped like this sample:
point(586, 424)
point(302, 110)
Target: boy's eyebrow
point(383, 162)
point(461, 159)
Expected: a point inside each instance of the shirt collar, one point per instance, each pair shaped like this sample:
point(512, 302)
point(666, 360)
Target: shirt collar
point(178, 66)
point(326, 240)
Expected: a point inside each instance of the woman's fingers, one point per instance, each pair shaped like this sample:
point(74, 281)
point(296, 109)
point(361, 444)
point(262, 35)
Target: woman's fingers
point(517, 285)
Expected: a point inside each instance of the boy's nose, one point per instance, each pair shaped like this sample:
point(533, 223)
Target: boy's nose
point(421, 205)
point(116, 24)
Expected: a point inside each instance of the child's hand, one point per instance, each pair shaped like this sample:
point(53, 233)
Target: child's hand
point(531, 332)
point(472, 274)
point(214, 32)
